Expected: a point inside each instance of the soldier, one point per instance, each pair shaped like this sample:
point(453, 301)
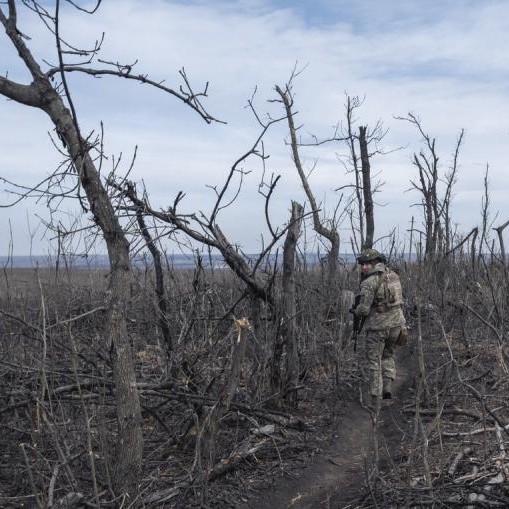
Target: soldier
point(380, 305)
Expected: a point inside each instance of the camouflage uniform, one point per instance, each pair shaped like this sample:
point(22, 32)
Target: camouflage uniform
point(381, 305)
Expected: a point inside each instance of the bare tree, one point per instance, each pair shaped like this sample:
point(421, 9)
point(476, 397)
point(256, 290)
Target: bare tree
point(485, 213)
point(362, 146)
point(330, 233)
point(53, 97)
point(436, 208)
point(450, 180)
point(427, 164)
point(352, 103)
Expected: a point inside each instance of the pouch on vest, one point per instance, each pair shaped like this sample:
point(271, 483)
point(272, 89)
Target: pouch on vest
point(403, 337)
point(394, 293)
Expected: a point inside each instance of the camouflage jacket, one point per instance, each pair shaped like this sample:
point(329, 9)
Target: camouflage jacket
point(372, 292)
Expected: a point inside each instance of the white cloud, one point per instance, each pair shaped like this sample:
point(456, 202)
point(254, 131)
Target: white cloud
point(445, 61)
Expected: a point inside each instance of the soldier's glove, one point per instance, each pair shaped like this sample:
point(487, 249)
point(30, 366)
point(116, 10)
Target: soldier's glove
point(352, 310)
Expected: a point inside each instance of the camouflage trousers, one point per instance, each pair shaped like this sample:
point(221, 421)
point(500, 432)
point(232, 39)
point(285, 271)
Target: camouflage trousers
point(380, 346)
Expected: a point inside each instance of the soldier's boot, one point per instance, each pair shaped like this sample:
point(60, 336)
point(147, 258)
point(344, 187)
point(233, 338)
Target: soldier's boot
point(387, 389)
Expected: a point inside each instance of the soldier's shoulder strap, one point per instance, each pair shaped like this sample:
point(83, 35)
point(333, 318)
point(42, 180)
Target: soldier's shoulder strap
point(381, 278)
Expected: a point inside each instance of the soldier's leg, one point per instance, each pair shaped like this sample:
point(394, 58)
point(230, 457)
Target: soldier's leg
point(375, 341)
point(388, 362)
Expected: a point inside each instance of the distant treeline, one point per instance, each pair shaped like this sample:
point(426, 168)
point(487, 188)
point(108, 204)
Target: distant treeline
point(176, 261)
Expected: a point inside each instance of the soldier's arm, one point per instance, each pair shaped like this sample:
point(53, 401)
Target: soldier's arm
point(368, 287)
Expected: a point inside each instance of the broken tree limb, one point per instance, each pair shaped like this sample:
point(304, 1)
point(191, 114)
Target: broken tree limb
point(242, 452)
point(455, 462)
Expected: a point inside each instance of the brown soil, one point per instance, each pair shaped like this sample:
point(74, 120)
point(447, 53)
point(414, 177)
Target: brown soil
point(337, 477)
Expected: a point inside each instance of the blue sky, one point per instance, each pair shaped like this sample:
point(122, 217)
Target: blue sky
point(445, 61)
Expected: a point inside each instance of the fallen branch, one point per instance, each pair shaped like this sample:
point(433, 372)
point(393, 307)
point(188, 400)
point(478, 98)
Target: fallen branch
point(242, 452)
point(449, 411)
point(457, 459)
point(277, 417)
point(473, 432)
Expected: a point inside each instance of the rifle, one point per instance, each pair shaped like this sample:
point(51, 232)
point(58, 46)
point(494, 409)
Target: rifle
point(358, 322)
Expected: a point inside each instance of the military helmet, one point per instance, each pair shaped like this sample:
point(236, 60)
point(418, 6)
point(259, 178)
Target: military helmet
point(370, 255)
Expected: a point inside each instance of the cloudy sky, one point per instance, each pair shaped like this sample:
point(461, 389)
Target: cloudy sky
point(445, 61)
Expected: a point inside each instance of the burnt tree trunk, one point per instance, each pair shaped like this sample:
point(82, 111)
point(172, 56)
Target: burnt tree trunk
point(500, 230)
point(366, 187)
point(162, 303)
point(289, 306)
point(128, 452)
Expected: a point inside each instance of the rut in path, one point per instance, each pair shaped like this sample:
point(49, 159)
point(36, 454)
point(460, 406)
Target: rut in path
point(337, 478)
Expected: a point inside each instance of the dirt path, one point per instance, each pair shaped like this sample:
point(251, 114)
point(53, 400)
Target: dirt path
point(336, 478)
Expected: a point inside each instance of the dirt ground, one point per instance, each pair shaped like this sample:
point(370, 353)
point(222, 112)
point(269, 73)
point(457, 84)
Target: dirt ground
point(337, 478)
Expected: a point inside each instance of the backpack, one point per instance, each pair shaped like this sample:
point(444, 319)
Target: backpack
point(392, 293)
